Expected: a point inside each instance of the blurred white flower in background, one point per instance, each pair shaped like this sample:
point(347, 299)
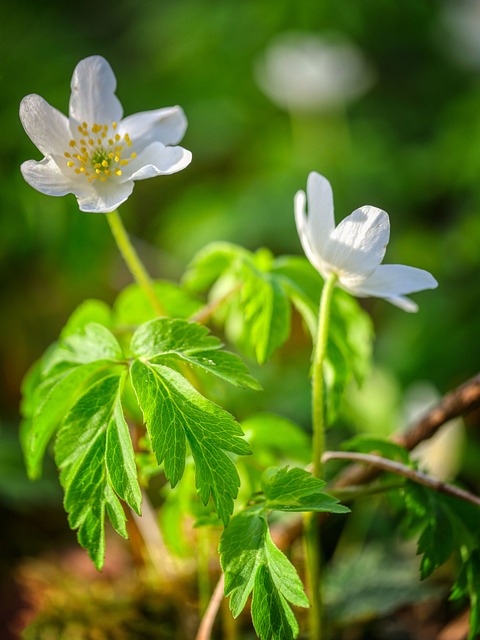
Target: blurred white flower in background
point(440, 455)
point(306, 72)
point(459, 32)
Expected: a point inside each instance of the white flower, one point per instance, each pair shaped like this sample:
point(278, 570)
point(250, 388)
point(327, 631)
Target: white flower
point(305, 72)
point(93, 153)
point(355, 248)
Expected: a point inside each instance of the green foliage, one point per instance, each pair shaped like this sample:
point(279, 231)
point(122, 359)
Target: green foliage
point(51, 401)
point(254, 292)
point(371, 584)
point(96, 460)
point(175, 413)
point(168, 342)
point(447, 526)
point(80, 389)
point(132, 307)
point(258, 313)
point(294, 489)
point(251, 562)
point(349, 348)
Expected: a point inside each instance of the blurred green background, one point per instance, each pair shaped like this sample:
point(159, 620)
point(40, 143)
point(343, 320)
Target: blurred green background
point(410, 144)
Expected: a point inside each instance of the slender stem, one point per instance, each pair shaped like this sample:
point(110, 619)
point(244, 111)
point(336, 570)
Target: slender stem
point(132, 260)
point(206, 626)
point(311, 522)
point(147, 524)
point(318, 396)
point(403, 470)
point(203, 573)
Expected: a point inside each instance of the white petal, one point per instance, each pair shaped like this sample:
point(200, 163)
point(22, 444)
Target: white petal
point(167, 126)
point(392, 280)
point(46, 127)
point(93, 98)
point(104, 197)
point(321, 222)
point(46, 177)
point(303, 230)
point(157, 160)
point(404, 303)
point(357, 246)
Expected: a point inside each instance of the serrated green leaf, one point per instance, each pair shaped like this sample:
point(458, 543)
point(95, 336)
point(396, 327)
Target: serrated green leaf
point(259, 315)
point(88, 311)
point(296, 490)
point(448, 526)
point(132, 307)
point(271, 616)
point(51, 401)
point(383, 446)
point(436, 543)
point(251, 561)
point(175, 413)
point(165, 340)
point(96, 460)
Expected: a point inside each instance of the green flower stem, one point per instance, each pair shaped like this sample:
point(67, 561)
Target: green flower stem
point(312, 529)
point(318, 395)
point(132, 260)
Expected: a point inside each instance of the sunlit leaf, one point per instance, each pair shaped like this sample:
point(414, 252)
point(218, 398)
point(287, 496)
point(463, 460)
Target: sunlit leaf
point(251, 562)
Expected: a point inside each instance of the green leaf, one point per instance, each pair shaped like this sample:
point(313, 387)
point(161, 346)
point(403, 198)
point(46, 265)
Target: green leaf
point(93, 342)
point(436, 542)
point(95, 455)
point(349, 348)
point(132, 307)
point(164, 341)
point(271, 615)
point(251, 562)
point(88, 311)
point(175, 413)
point(50, 403)
point(374, 444)
point(210, 263)
point(303, 285)
point(266, 313)
point(258, 315)
point(448, 526)
point(296, 490)
point(371, 583)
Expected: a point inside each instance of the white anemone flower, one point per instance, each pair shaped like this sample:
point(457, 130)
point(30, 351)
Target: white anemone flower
point(354, 249)
point(94, 153)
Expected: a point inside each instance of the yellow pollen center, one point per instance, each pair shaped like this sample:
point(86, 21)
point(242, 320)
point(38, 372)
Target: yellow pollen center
point(97, 153)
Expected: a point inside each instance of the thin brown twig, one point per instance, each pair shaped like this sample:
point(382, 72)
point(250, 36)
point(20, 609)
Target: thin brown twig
point(459, 402)
point(385, 464)
point(206, 626)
